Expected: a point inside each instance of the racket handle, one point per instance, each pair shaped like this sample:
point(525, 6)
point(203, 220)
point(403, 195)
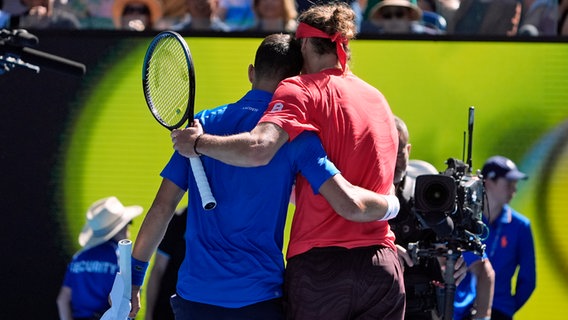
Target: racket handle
point(125, 258)
point(207, 199)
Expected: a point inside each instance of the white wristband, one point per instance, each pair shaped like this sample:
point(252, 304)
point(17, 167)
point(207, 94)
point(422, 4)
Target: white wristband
point(393, 206)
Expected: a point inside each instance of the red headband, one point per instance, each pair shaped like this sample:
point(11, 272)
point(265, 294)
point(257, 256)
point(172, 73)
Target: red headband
point(306, 31)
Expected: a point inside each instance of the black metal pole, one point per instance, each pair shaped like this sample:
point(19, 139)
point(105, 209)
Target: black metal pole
point(450, 283)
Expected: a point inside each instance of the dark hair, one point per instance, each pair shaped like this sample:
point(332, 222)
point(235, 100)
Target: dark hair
point(331, 18)
point(278, 56)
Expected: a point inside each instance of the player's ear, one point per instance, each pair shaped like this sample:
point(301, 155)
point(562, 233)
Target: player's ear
point(304, 42)
point(251, 73)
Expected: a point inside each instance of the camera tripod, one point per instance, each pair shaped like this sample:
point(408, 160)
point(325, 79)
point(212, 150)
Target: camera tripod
point(451, 253)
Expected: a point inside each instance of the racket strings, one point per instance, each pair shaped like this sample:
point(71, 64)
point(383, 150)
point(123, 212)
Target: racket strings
point(167, 82)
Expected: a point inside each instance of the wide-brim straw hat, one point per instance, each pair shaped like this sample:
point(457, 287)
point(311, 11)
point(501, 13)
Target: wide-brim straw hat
point(153, 5)
point(415, 11)
point(105, 218)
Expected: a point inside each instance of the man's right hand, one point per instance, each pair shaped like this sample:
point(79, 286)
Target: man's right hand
point(184, 139)
point(134, 302)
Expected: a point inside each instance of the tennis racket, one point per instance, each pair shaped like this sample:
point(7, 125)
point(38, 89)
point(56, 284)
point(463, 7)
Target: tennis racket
point(121, 291)
point(168, 81)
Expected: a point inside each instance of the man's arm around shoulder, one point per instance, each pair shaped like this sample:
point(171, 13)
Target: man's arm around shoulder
point(247, 149)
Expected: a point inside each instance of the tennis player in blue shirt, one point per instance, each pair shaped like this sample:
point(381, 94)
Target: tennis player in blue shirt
point(510, 244)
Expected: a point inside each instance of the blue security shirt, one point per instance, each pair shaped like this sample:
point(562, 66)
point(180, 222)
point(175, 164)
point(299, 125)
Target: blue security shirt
point(510, 246)
point(90, 275)
point(234, 252)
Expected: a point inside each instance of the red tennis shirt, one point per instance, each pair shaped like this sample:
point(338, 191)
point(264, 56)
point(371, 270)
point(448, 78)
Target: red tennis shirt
point(357, 129)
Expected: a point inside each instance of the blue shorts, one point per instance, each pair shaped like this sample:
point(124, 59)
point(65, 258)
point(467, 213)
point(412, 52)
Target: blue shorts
point(185, 309)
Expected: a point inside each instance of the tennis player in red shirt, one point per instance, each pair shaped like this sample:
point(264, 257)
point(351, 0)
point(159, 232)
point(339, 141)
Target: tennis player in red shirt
point(342, 261)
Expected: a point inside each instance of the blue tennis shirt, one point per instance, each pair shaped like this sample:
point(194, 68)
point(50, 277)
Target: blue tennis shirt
point(234, 252)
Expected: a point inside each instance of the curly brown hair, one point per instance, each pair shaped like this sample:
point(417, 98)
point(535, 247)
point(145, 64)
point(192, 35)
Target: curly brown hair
point(331, 18)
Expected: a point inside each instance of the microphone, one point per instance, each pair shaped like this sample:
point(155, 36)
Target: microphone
point(23, 38)
point(18, 37)
point(52, 62)
point(14, 51)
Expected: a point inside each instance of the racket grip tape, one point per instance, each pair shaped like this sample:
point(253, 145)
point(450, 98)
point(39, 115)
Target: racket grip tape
point(207, 200)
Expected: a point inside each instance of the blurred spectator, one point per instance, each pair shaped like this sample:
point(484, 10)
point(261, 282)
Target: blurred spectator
point(202, 16)
point(275, 15)
point(136, 15)
point(486, 17)
point(237, 14)
point(173, 12)
point(427, 5)
point(13, 7)
point(43, 14)
point(368, 6)
point(447, 8)
point(430, 16)
point(540, 17)
point(395, 17)
point(98, 14)
point(4, 16)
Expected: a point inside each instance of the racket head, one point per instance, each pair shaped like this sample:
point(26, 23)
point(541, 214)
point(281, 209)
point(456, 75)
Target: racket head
point(168, 79)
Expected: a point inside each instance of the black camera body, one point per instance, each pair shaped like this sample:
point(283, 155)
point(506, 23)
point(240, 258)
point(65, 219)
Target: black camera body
point(451, 204)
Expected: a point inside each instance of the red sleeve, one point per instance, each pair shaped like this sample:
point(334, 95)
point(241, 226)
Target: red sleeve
point(289, 108)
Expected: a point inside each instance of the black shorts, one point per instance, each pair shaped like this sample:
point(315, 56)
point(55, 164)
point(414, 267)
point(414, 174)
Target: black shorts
point(338, 283)
point(185, 309)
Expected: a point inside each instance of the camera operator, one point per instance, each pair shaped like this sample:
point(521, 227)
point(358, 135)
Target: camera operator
point(424, 281)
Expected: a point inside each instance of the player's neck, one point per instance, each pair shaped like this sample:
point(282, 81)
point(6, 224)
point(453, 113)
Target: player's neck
point(317, 63)
point(269, 86)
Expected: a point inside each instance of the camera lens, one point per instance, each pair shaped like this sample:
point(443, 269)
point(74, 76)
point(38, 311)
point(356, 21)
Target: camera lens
point(435, 193)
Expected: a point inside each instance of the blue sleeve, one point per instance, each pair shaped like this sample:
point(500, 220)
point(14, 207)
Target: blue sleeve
point(526, 278)
point(469, 257)
point(177, 170)
point(312, 160)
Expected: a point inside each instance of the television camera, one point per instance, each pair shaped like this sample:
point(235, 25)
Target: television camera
point(451, 204)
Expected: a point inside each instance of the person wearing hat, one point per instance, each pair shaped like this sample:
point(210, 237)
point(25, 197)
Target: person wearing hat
point(136, 15)
point(91, 273)
point(395, 17)
point(510, 245)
